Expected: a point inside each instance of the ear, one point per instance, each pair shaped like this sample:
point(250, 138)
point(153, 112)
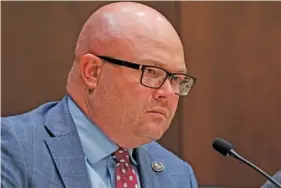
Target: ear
point(90, 67)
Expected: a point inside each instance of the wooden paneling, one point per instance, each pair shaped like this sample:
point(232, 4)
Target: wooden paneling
point(38, 39)
point(233, 48)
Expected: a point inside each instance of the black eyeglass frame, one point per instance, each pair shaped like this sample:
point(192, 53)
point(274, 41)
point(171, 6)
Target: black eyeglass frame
point(143, 67)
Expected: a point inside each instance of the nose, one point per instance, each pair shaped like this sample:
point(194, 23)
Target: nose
point(166, 90)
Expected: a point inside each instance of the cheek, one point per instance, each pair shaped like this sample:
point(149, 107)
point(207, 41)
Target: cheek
point(134, 91)
point(138, 99)
point(132, 97)
point(174, 102)
point(173, 105)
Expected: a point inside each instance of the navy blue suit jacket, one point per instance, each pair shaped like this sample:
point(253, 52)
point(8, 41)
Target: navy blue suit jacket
point(42, 149)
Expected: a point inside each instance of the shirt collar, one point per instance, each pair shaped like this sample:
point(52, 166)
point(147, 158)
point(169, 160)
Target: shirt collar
point(96, 145)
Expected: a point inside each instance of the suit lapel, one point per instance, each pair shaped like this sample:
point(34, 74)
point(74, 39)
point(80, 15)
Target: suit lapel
point(146, 173)
point(65, 147)
point(149, 177)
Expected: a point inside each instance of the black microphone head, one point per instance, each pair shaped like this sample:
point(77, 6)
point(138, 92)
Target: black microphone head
point(222, 146)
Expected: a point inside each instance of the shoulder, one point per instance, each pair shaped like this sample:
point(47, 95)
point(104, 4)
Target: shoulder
point(21, 136)
point(24, 129)
point(277, 177)
point(175, 166)
point(20, 123)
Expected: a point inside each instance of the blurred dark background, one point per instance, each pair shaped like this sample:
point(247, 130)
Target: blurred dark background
point(233, 48)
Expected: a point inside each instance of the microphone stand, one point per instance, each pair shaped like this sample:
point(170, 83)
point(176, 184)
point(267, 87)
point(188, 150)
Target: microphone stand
point(237, 156)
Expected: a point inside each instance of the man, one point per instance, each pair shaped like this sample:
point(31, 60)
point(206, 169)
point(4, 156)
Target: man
point(123, 91)
point(277, 177)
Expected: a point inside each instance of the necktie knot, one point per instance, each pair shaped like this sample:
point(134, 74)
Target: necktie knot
point(121, 156)
point(125, 176)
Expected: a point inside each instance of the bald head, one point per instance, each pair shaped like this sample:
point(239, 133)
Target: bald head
point(114, 96)
point(124, 27)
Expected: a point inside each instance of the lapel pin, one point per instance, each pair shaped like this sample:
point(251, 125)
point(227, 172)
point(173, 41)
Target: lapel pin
point(157, 166)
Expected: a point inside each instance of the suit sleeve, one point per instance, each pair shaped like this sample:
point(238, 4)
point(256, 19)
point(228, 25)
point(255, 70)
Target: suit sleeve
point(192, 179)
point(13, 167)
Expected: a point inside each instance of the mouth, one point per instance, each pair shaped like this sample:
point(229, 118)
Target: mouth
point(158, 112)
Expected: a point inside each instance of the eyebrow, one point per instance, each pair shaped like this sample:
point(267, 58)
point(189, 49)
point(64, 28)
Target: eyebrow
point(158, 64)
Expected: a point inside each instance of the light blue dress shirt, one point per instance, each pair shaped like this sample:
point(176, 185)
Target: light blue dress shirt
point(98, 149)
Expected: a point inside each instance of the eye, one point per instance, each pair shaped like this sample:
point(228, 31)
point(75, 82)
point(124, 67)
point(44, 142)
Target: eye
point(176, 79)
point(154, 72)
point(186, 83)
point(150, 71)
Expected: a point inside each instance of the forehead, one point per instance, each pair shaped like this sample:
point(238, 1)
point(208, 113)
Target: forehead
point(155, 45)
point(165, 52)
point(172, 62)
point(168, 66)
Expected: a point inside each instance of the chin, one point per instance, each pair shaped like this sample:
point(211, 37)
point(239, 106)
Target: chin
point(154, 131)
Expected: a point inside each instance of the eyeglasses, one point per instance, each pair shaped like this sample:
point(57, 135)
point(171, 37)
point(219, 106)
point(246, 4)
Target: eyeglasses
point(154, 77)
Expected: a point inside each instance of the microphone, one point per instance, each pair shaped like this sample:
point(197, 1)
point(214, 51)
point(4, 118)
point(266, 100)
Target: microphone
point(226, 149)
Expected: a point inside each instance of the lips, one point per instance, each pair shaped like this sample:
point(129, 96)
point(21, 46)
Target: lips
point(159, 111)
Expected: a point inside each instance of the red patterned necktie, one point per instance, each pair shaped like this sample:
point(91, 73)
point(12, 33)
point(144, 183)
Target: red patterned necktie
point(125, 175)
